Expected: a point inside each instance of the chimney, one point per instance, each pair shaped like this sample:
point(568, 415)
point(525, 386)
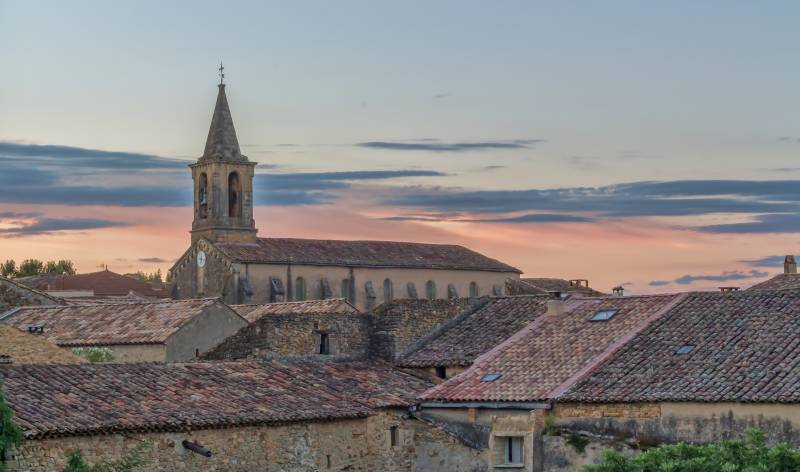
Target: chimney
point(555, 307)
point(581, 283)
point(729, 289)
point(789, 265)
point(618, 291)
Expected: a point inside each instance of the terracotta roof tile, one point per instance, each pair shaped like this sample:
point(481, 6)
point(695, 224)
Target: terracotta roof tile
point(333, 306)
point(21, 347)
point(103, 283)
point(123, 323)
point(745, 348)
point(477, 330)
point(535, 363)
point(779, 282)
point(51, 400)
point(361, 254)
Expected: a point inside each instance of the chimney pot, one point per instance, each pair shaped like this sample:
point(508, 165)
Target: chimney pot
point(618, 291)
point(789, 265)
point(555, 307)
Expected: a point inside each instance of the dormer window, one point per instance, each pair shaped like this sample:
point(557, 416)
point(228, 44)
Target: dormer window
point(604, 315)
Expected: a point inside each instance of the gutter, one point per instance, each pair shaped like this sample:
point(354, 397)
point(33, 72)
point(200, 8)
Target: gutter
point(486, 405)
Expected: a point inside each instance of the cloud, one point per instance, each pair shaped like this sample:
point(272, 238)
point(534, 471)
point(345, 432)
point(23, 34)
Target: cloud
point(442, 95)
point(539, 218)
point(15, 215)
point(57, 225)
point(437, 146)
point(154, 260)
point(585, 163)
point(67, 156)
point(494, 167)
point(770, 223)
point(659, 283)
point(724, 277)
point(768, 261)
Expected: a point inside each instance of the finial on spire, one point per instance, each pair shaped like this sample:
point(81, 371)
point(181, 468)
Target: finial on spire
point(221, 73)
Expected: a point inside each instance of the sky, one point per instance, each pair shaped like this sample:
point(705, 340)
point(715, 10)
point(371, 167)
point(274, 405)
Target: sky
point(654, 145)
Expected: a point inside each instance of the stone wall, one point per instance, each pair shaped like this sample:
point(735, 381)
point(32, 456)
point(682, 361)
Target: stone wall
point(352, 445)
point(203, 333)
point(296, 335)
point(398, 326)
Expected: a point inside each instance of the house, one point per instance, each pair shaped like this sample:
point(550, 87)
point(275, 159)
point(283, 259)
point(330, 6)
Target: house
point(102, 284)
point(455, 345)
point(275, 415)
point(504, 395)
point(227, 259)
point(166, 330)
point(21, 347)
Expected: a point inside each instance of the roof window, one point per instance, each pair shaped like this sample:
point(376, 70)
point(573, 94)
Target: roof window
point(490, 377)
point(604, 315)
point(685, 349)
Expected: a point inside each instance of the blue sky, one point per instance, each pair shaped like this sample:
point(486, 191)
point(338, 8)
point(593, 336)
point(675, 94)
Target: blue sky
point(551, 118)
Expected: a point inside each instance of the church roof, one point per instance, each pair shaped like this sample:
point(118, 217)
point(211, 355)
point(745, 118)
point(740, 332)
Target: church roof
point(321, 252)
point(222, 143)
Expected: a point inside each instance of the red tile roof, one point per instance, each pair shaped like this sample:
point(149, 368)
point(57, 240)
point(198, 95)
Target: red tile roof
point(51, 400)
point(477, 330)
point(361, 254)
point(549, 285)
point(103, 283)
point(745, 348)
point(124, 323)
point(779, 282)
point(553, 351)
point(333, 306)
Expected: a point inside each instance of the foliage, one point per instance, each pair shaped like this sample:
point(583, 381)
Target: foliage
point(129, 463)
point(30, 267)
point(750, 454)
point(10, 434)
point(95, 354)
point(578, 443)
point(145, 277)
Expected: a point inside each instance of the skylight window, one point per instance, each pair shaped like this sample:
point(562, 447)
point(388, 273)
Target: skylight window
point(604, 315)
point(686, 349)
point(490, 377)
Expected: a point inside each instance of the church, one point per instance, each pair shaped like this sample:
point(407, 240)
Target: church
point(227, 259)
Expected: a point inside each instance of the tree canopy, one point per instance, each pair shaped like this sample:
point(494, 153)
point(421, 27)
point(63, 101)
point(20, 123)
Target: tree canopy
point(30, 267)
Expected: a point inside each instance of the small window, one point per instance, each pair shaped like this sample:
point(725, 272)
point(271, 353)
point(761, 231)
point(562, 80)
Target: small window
point(202, 196)
point(300, 289)
point(324, 344)
point(277, 292)
point(369, 290)
point(325, 289)
point(197, 353)
point(490, 377)
point(604, 315)
point(686, 349)
point(430, 290)
point(346, 293)
point(388, 291)
point(473, 289)
point(327, 461)
point(512, 454)
point(441, 371)
point(451, 291)
point(412, 291)
point(497, 290)
point(393, 439)
point(234, 195)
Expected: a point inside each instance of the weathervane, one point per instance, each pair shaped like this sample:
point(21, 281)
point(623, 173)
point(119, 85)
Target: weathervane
point(221, 73)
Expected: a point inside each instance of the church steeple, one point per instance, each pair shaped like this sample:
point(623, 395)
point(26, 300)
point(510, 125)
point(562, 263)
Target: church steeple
point(223, 182)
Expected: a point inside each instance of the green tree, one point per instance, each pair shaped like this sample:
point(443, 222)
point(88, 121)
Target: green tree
point(749, 454)
point(8, 268)
point(95, 354)
point(30, 267)
point(63, 266)
point(10, 434)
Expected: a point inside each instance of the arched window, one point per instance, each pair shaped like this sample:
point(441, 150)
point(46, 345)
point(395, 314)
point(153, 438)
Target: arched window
point(202, 196)
point(234, 195)
point(346, 292)
point(388, 291)
point(430, 289)
point(451, 291)
point(473, 289)
point(300, 289)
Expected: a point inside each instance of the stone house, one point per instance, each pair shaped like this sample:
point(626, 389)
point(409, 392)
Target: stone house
point(276, 415)
point(20, 347)
point(503, 397)
point(167, 330)
point(227, 259)
point(452, 347)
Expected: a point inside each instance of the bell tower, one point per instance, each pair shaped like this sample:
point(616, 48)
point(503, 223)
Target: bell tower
point(223, 182)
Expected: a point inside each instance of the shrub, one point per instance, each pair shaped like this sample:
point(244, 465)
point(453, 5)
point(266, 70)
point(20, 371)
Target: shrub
point(749, 454)
point(95, 354)
point(10, 434)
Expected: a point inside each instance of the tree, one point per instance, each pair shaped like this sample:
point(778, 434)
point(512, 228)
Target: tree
point(30, 267)
point(145, 277)
point(94, 354)
point(8, 268)
point(63, 266)
point(10, 434)
point(749, 454)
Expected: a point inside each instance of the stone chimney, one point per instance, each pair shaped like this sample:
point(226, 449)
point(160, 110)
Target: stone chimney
point(789, 265)
point(618, 291)
point(555, 307)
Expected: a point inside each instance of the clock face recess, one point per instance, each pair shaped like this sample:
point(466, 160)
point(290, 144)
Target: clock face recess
point(201, 259)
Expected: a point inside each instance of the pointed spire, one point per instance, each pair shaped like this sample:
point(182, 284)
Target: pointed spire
point(222, 143)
